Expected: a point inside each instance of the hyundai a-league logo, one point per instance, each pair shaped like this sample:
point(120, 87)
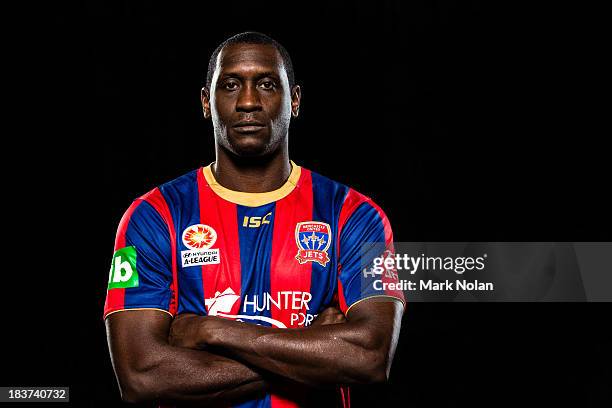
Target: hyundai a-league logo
point(313, 239)
point(199, 236)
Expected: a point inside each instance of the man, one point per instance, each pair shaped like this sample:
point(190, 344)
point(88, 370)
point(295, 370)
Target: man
point(242, 282)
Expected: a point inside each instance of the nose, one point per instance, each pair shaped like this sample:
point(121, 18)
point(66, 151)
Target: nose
point(248, 99)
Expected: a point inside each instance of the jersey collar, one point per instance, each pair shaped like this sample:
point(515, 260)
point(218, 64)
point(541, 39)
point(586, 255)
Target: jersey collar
point(253, 199)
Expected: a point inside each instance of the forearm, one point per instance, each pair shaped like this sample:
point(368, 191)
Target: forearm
point(178, 375)
point(148, 368)
point(340, 353)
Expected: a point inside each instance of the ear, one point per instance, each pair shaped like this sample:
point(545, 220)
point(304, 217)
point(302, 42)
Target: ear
point(205, 96)
point(296, 97)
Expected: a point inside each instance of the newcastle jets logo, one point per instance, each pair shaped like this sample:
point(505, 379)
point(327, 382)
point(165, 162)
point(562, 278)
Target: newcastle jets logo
point(313, 239)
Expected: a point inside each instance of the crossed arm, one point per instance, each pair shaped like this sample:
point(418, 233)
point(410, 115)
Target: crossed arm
point(148, 368)
point(158, 359)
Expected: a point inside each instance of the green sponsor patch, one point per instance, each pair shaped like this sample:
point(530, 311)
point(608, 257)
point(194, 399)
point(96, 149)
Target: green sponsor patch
point(123, 272)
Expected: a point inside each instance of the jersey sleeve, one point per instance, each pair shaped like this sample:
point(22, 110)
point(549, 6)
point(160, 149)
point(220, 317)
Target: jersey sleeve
point(366, 241)
point(141, 273)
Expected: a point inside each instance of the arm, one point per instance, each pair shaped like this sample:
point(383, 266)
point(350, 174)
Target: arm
point(148, 368)
point(358, 351)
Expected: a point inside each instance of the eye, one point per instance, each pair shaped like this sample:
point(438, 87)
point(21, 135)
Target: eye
point(267, 85)
point(230, 86)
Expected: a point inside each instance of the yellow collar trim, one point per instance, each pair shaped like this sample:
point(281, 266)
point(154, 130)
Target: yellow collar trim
point(253, 199)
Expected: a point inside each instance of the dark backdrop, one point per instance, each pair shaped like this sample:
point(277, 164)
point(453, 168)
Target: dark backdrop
point(463, 121)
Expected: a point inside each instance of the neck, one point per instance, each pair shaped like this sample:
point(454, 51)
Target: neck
point(252, 175)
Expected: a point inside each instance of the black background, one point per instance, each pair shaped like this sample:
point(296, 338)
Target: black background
point(463, 121)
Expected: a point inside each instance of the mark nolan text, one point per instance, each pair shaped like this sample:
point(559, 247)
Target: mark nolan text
point(434, 285)
point(457, 285)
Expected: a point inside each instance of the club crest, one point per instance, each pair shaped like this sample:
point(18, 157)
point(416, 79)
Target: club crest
point(313, 239)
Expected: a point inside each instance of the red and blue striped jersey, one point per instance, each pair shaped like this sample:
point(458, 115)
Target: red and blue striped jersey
point(276, 258)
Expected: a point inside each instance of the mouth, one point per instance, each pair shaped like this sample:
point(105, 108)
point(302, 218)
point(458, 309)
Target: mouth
point(248, 126)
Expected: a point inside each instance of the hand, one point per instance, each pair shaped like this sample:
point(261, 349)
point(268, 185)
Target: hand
point(184, 331)
point(331, 315)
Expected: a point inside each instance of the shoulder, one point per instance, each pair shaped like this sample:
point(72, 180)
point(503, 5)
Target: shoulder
point(327, 189)
point(163, 198)
point(171, 191)
point(185, 184)
point(351, 199)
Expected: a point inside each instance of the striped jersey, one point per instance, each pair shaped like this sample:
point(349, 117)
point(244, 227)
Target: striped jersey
point(275, 259)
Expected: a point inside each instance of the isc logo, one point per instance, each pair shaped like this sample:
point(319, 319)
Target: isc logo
point(255, 222)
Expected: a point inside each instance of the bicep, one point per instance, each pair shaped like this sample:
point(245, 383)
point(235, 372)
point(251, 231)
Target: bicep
point(134, 336)
point(380, 320)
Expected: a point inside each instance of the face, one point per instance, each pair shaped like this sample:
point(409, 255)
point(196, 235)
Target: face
point(250, 101)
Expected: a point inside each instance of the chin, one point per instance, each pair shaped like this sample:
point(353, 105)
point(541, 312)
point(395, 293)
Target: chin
point(250, 148)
